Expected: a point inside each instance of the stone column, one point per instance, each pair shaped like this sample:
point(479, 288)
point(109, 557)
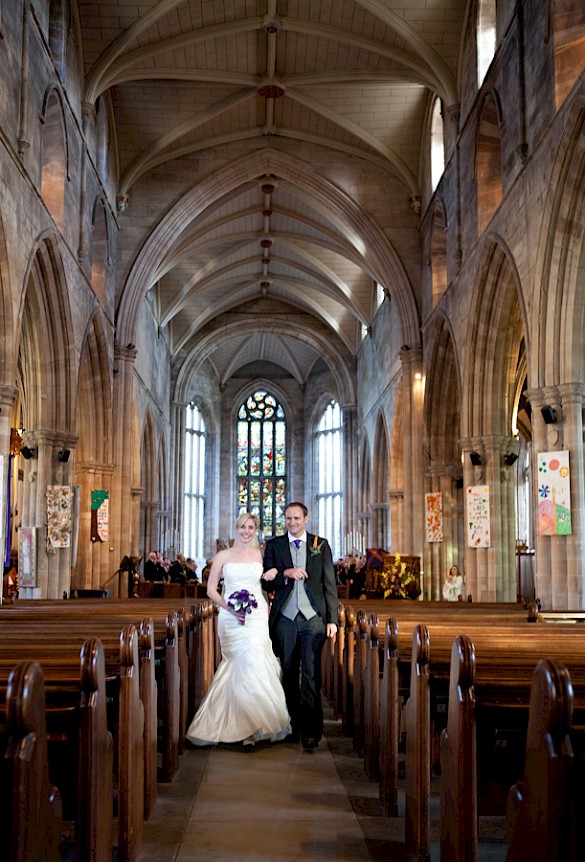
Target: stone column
point(412, 427)
point(122, 516)
point(94, 563)
point(569, 591)
point(350, 486)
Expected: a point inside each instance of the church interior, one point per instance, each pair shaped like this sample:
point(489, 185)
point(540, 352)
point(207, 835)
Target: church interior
point(262, 251)
point(368, 211)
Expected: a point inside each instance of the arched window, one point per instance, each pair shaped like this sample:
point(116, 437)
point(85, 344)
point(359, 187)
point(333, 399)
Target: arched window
point(486, 37)
point(329, 494)
point(437, 145)
point(194, 483)
point(261, 461)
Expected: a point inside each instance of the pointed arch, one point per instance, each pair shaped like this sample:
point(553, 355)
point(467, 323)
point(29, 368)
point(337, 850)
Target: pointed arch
point(439, 273)
point(488, 160)
point(54, 149)
point(381, 485)
point(99, 251)
point(442, 407)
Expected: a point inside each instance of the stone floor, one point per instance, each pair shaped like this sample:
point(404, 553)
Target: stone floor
point(282, 804)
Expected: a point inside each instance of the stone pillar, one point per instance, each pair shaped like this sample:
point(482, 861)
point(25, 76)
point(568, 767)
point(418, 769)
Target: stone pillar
point(94, 563)
point(123, 540)
point(491, 572)
point(439, 556)
point(559, 579)
point(412, 427)
point(178, 469)
point(350, 486)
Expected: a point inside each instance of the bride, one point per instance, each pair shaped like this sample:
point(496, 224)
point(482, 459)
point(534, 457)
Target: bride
point(245, 702)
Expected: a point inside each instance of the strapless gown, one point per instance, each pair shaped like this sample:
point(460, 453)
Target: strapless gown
point(246, 697)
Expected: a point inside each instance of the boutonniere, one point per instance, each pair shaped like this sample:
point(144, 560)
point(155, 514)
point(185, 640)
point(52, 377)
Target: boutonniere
point(315, 549)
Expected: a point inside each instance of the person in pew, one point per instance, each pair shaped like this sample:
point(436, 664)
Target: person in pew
point(453, 586)
point(153, 568)
point(304, 612)
point(178, 571)
point(245, 702)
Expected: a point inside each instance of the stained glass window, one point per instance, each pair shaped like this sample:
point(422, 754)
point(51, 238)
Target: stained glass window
point(194, 483)
point(261, 461)
point(329, 494)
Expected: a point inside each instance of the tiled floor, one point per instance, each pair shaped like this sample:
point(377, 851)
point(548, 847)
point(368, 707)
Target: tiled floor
point(282, 804)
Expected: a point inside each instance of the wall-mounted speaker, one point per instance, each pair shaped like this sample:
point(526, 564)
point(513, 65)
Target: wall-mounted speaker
point(27, 453)
point(549, 414)
point(510, 458)
point(475, 459)
point(63, 455)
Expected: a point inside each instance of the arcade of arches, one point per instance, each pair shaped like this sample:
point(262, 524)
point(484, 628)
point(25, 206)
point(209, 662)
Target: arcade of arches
point(371, 208)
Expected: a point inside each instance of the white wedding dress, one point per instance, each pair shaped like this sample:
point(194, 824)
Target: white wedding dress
point(246, 697)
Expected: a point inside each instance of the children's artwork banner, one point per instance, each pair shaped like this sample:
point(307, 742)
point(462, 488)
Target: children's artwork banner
point(59, 515)
point(478, 516)
point(100, 516)
point(554, 494)
point(434, 516)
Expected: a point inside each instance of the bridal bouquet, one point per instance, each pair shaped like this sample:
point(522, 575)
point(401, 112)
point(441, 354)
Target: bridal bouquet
point(243, 602)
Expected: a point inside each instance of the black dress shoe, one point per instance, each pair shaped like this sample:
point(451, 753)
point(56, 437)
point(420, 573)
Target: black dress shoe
point(292, 737)
point(310, 743)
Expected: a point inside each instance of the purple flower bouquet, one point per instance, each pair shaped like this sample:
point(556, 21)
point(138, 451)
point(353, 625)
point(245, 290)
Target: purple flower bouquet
point(243, 602)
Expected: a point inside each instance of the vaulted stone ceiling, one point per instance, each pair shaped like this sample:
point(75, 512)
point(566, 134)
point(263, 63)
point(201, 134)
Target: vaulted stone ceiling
point(270, 153)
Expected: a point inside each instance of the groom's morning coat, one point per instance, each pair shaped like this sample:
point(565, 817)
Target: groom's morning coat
point(320, 586)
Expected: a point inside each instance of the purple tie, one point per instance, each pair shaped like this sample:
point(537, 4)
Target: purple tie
point(297, 543)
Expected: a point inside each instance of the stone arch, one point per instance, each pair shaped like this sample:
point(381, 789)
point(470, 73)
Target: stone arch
point(356, 222)
point(93, 455)
point(497, 329)
point(488, 160)
point(495, 341)
point(46, 379)
point(55, 157)
point(46, 355)
point(318, 340)
point(569, 45)
point(99, 252)
point(438, 255)
point(381, 485)
point(442, 424)
point(149, 482)
point(7, 340)
point(397, 473)
point(559, 313)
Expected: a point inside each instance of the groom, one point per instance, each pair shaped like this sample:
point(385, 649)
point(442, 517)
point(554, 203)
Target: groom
point(303, 614)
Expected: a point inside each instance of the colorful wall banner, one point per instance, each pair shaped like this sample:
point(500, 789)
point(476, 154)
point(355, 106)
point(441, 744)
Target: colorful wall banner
point(100, 516)
point(554, 494)
point(59, 516)
point(478, 516)
point(434, 516)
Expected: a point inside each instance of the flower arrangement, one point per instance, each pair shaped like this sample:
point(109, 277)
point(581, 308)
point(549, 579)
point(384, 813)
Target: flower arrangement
point(315, 549)
point(243, 602)
point(397, 579)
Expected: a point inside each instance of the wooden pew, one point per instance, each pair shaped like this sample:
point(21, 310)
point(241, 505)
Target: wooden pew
point(389, 723)
point(417, 815)
point(61, 668)
point(169, 646)
point(541, 810)
point(459, 831)
point(94, 760)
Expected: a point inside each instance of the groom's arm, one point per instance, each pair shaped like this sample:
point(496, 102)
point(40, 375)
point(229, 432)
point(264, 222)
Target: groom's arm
point(273, 560)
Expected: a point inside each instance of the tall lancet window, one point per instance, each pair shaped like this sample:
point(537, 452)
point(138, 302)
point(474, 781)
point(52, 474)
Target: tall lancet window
point(329, 494)
point(194, 483)
point(261, 461)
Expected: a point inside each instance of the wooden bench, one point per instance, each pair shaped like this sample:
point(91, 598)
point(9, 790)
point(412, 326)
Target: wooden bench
point(62, 674)
point(84, 708)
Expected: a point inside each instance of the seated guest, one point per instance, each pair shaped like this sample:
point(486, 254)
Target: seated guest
point(153, 568)
point(178, 570)
point(191, 567)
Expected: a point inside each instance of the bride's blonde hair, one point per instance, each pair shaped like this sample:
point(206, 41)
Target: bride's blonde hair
point(248, 516)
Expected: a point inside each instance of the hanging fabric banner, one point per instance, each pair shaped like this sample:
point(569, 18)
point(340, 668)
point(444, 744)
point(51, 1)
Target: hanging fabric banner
point(478, 516)
point(554, 494)
point(100, 516)
point(59, 516)
point(434, 516)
